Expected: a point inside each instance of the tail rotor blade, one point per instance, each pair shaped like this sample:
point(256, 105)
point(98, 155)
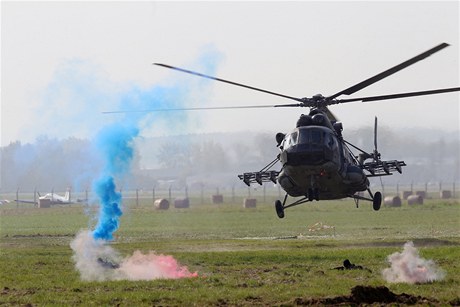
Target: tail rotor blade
point(375, 134)
point(376, 151)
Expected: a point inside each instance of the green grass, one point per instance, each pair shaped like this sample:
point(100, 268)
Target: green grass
point(242, 256)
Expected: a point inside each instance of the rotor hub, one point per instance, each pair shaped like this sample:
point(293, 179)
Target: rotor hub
point(317, 101)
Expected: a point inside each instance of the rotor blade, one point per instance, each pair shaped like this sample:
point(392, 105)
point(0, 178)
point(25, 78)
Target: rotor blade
point(206, 108)
point(389, 72)
point(289, 105)
point(229, 82)
point(401, 95)
point(197, 109)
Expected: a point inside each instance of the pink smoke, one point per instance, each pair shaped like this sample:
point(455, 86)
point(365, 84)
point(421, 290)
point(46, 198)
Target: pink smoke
point(409, 267)
point(152, 266)
point(98, 261)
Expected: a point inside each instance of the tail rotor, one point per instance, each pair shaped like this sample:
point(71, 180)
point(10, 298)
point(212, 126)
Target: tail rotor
point(376, 155)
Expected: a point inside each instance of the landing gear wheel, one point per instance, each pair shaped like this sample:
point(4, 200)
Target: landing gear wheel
point(279, 209)
point(377, 201)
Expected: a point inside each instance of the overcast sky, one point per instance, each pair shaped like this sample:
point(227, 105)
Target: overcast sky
point(63, 63)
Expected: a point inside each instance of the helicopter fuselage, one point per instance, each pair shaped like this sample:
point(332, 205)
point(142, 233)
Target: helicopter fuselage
point(314, 159)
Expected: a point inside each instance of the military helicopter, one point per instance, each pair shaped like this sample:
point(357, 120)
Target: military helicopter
point(316, 161)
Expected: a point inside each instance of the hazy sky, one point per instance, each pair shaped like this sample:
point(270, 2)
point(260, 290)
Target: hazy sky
point(62, 63)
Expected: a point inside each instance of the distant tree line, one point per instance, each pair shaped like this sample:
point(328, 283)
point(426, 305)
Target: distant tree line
point(58, 164)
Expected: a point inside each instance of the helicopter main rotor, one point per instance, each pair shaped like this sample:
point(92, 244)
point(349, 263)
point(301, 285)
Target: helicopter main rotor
point(318, 101)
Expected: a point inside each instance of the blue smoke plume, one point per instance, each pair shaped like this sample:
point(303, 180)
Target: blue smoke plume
point(110, 210)
point(115, 142)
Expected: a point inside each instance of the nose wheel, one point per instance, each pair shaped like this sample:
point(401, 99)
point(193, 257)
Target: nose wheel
point(280, 206)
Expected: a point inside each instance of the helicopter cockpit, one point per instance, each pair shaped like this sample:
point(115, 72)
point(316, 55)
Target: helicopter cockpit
point(310, 145)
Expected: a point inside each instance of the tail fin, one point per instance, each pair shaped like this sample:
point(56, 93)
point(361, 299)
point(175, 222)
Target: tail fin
point(67, 195)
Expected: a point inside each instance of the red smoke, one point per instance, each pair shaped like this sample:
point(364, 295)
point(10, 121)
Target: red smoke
point(152, 266)
point(97, 261)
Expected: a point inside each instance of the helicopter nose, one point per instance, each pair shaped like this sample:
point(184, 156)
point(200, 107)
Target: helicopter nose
point(307, 155)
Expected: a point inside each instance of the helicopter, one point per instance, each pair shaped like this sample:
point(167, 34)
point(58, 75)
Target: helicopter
point(316, 161)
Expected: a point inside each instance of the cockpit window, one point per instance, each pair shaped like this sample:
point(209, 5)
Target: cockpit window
point(304, 137)
point(293, 138)
point(311, 136)
point(330, 141)
point(290, 140)
point(316, 136)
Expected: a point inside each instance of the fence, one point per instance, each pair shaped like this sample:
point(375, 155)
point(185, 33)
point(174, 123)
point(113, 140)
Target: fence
point(265, 194)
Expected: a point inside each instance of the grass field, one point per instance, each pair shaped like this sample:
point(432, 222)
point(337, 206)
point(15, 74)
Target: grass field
point(242, 256)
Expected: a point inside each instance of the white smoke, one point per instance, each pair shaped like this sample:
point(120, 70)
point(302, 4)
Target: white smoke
point(409, 267)
point(96, 261)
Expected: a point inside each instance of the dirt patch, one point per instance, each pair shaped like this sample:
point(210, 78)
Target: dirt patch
point(368, 295)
